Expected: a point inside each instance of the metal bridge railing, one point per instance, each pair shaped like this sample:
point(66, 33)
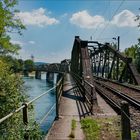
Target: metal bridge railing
point(59, 91)
point(24, 107)
point(86, 89)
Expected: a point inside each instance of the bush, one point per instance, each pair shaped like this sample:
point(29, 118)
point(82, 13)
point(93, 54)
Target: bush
point(12, 97)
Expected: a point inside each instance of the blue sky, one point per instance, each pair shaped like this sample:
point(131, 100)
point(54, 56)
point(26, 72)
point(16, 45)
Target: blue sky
point(52, 24)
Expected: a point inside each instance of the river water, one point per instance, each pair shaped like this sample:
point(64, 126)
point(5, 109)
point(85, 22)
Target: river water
point(34, 88)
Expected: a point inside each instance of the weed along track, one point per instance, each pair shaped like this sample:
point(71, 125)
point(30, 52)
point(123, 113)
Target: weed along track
point(103, 128)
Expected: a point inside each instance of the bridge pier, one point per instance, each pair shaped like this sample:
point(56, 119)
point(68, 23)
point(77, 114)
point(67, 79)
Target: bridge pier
point(25, 73)
point(37, 74)
point(58, 77)
point(49, 77)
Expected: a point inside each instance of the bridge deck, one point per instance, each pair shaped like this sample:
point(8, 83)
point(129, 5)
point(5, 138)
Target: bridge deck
point(71, 107)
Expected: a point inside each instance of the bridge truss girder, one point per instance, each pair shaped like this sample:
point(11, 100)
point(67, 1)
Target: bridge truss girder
point(80, 60)
point(109, 63)
point(81, 68)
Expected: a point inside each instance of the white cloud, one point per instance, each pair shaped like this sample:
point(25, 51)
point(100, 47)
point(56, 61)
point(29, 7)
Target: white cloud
point(84, 20)
point(17, 42)
point(32, 42)
point(36, 17)
point(124, 19)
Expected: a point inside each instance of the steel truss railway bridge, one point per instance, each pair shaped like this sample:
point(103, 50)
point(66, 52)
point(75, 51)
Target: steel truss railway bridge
point(90, 60)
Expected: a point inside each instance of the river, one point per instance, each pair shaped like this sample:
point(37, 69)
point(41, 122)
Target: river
point(35, 87)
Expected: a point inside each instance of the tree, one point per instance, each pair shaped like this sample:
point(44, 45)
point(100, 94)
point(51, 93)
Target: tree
point(9, 23)
point(11, 88)
point(12, 97)
point(29, 65)
point(134, 53)
point(21, 64)
point(138, 56)
point(12, 62)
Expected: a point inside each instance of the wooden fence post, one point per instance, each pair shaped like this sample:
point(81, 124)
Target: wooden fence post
point(25, 114)
point(125, 121)
point(25, 120)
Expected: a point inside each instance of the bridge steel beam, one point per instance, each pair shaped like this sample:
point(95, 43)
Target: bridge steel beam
point(128, 75)
point(105, 58)
point(81, 66)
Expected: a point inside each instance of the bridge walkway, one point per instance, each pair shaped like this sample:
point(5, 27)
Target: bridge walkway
point(71, 107)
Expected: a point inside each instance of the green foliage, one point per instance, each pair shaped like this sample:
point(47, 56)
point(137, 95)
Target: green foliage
point(138, 56)
point(9, 23)
point(21, 64)
point(102, 128)
point(13, 63)
point(134, 53)
point(11, 87)
point(18, 65)
point(29, 65)
point(134, 135)
point(73, 124)
point(10, 98)
point(91, 128)
point(131, 52)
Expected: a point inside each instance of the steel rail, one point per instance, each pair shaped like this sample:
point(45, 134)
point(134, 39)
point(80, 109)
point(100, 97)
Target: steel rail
point(113, 104)
point(131, 100)
point(129, 86)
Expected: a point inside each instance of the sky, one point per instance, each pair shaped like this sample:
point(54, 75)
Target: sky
point(51, 25)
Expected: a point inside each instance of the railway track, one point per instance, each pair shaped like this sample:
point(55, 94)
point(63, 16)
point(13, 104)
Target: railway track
point(132, 88)
point(114, 97)
point(129, 92)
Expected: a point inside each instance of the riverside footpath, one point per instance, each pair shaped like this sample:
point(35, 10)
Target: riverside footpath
point(69, 110)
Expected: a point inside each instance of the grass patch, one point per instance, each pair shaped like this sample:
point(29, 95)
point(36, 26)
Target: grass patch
point(73, 126)
point(101, 128)
point(91, 128)
point(134, 135)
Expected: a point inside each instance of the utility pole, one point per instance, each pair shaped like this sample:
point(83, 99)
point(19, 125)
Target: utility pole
point(118, 48)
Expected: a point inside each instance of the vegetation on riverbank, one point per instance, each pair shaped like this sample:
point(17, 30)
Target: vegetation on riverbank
point(11, 85)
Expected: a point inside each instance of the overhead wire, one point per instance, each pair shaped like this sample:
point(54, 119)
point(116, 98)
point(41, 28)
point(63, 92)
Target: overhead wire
point(111, 18)
point(105, 11)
